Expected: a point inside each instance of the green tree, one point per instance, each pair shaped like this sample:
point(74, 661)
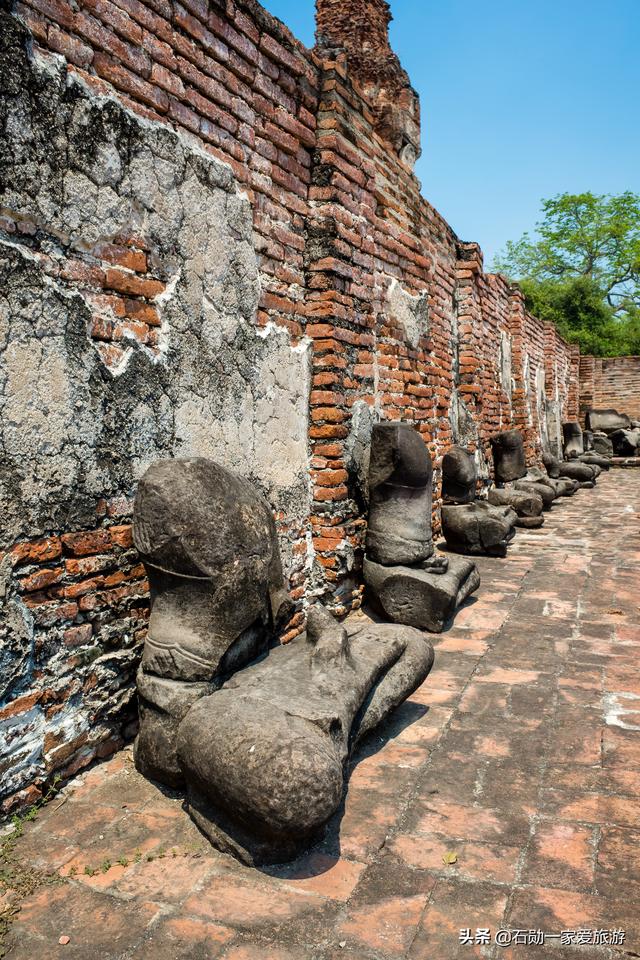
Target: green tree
point(582, 270)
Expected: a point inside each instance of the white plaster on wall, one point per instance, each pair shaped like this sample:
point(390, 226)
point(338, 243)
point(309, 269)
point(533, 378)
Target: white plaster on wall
point(410, 311)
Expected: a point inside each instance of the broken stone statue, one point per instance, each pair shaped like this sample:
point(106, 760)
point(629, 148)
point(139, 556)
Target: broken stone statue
point(606, 421)
point(264, 757)
point(472, 526)
point(576, 472)
point(208, 543)
point(405, 580)
point(602, 444)
point(625, 442)
point(577, 446)
point(573, 442)
point(261, 748)
point(510, 470)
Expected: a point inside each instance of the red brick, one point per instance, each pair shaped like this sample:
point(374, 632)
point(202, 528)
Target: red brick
point(122, 535)
point(131, 284)
point(77, 636)
point(37, 551)
point(41, 579)
point(86, 542)
point(20, 705)
point(138, 88)
point(69, 46)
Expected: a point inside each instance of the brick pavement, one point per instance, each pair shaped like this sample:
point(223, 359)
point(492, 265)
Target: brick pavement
point(520, 755)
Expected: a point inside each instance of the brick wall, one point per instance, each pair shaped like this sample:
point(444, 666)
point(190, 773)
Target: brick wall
point(366, 306)
point(610, 382)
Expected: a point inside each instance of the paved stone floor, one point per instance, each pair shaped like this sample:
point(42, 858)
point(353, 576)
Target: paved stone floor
point(519, 759)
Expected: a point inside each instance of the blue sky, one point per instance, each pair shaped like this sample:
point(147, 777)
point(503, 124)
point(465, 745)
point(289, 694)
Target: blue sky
point(521, 99)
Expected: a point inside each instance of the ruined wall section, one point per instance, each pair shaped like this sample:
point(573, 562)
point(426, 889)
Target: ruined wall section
point(264, 310)
point(230, 77)
point(610, 382)
point(107, 218)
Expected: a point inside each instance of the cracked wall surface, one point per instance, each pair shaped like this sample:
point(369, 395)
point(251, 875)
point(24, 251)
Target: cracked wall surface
point(106, 216)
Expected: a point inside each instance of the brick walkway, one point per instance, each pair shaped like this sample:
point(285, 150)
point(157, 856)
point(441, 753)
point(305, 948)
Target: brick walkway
point(521, 755)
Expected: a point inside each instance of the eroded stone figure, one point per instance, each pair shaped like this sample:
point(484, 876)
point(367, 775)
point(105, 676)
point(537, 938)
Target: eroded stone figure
point(209, 546)
point(606, 421)
point(258, 735)
point(582, 474)
point(578, 445)
point(621, 432)
point(472, 526)
point(528, 506)
point(602, 444)
point(511, 475)
point(264, 757)
point(573, 445)
point(625, 442)
point(406, 581)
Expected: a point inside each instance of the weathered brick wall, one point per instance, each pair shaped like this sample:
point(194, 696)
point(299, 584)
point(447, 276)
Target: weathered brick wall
point(610, 382)
point(264, 313)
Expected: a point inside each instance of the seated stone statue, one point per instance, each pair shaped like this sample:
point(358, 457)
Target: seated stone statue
point(405, 581)
point(265, 756)
point(623, 433)
point(602, 445)
point(561, 486)
point(578, 445)
point(209, 546)
point(573, 445)
point(510, 468)
point(260, 748)
point(508, 456)
point(582, 474)
point(472, 526)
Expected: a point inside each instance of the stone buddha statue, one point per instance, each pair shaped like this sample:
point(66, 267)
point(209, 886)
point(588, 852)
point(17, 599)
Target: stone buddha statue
point(258, 734)
point(469, 525)
point(405, 579)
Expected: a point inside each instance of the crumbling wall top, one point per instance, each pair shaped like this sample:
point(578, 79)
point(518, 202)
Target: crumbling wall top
point(358, 31)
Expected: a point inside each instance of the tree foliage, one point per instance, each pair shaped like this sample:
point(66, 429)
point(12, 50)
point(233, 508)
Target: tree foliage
point(582, 270)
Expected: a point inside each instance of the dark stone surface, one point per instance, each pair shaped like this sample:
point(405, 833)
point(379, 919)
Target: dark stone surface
point(576, 470)
point(418, 597)
point(508, 456)
point(573, 443)
point(602, 444)
point(543, 490)
point(478, 528)
point(264, 756)
point(561, 486)
point(208, 543)
point(625, 442)
point(400, 496)
point(595, 460)
point(162, 705)
point(459, 476)
point(606, 421)
point(528, 506)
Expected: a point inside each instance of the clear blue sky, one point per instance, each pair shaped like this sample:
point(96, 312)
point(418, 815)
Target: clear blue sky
point(521, 99)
